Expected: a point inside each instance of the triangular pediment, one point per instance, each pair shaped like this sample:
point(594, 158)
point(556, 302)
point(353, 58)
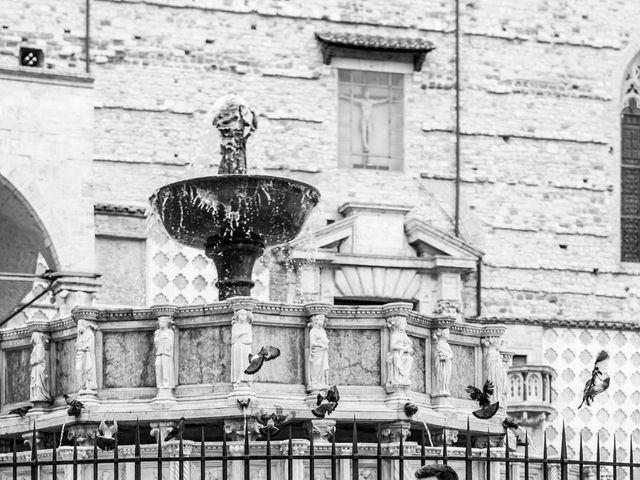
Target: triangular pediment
point(328, 237)
point(430, 241)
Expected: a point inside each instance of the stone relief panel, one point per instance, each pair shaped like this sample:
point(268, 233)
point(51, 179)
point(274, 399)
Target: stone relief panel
point(65, 367)
point(129, 359)
point(417, 371)
point(18, 375)
point(354, 357)
point(205, 355)
point(464, 370)
point(289, 367)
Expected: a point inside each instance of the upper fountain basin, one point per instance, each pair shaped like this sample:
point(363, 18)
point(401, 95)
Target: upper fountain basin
point(272, 209)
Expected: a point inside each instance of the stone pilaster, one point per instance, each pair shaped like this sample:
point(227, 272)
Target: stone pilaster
point(165, 314)
point(399, 359)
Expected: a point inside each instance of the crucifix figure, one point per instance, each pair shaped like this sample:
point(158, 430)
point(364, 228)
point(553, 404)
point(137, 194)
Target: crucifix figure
point(366, 117)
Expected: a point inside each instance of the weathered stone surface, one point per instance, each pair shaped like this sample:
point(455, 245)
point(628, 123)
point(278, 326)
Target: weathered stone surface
point(417, 371)
point(129, 360)
point(65, 367)
point(464, 369)
point(205, 355)
point(289, 367)
point(19, 375)
point(354, 357)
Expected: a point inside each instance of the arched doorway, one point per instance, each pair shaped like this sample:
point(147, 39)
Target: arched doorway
point(22, 237)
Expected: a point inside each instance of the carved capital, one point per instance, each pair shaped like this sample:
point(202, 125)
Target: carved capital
point(242, 303)
point(28, 438)
point(236, 432)
point(163, 311)
point(86, 314)
point(493, 441)
point(82, 433)
point(450, 436)
point(321, 429)
point(447, 308)
point(161, 428)
point(397, 309)
point(391, 432)
point(317, 308)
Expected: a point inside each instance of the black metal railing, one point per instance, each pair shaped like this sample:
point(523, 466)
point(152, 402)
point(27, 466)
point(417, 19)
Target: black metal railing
point(389, 461)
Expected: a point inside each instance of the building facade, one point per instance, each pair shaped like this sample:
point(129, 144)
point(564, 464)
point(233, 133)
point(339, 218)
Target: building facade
point(489, 171)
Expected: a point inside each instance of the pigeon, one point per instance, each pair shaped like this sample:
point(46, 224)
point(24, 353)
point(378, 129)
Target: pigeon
point(106, 439)
point(410, 409)
point(75, 406)
point(269, 424)
point(22, 411)
point(264, 355)
point(176, 432)
point(326, 404)
point(483, 397)
point(598, 383)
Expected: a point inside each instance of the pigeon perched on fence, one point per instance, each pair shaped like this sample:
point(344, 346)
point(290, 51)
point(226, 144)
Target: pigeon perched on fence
point(22, 411)
point(106, 438)
point(598, 382)
point(326, 404)
point(264, 355)
point(176, 432)
point(75, 406)
point(483, 397)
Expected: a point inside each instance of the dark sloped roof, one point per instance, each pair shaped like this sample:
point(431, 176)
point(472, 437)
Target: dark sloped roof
point(376, 42)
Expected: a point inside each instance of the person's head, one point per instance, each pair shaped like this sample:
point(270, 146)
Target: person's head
point(436, 472)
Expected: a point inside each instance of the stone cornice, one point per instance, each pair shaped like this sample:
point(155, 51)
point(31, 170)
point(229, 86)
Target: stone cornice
point(557, 323)
point(42, 75)
point(124, 210)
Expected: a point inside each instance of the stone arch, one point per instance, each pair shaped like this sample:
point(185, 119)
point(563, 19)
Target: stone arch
point(23, 236)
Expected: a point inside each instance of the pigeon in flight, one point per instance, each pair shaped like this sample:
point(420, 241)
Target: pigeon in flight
point(106, 438)
point(326, 404)
point(176, 432)
point(22, 411)
point(483, 397)
point(75, 406)
point(264, 355)
point(598, 382)
point(271, 424)
point(410, 409)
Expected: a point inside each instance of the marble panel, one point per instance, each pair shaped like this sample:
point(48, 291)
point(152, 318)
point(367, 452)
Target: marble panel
point(354, 357)
point(417, 371)
point(18, 375)
point(464, 370)
point(289, 367)
point(65, 367)
point(129, 360)
point(205, 355)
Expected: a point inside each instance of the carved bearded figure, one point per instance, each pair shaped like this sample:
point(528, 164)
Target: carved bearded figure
point(443, 361)
point(400, 356)
point(163, 341)
point(86, 357)
point(241, 340)
point(39, 390)
point(318, 363)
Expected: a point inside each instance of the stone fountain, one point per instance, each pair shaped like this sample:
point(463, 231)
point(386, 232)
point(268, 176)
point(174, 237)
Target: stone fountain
point(234, 216)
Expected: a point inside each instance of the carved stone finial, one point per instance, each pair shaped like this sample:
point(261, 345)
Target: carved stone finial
point(235, 121)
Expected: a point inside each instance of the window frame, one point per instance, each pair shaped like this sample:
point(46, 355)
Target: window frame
point(625, 113)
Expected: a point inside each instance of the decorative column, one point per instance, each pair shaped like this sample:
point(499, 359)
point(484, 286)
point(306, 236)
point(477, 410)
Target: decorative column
point(390, 434)
point(241, 348)
point(494, 368)
point(72, 292)
point(86, 371)
point(39, 362)
point(441, 365)
point(164, 342)
point(399, 358)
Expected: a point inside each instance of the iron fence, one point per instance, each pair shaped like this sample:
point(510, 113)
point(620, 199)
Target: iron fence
point(340, 461)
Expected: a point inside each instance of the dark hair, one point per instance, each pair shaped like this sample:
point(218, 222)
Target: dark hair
point(441, 472)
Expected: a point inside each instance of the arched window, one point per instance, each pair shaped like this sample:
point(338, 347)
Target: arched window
point(515, 386)
point(630, 165)
point(533, 387)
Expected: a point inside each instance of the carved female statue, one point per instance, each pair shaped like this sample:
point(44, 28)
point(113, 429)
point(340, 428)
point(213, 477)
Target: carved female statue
point(400, 356)
point(443, 361)
point(163, 341)
point(39, 391)
point(86, 358)
point(241, 340)
point(494, 368)
point(318, 363)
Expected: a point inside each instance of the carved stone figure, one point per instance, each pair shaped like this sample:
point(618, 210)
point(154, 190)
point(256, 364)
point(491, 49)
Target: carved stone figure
point(235, 121)
point(241, 340)
point(318, 362)
point(39, 389)
point(400, 356)
point(443, 361)
point(494, 368)
point(447, 307)
point(366, 104)
point(163, 341)
point(86, 357)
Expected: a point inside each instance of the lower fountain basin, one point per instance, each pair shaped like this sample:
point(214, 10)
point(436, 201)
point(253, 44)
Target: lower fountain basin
point(271, 210)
